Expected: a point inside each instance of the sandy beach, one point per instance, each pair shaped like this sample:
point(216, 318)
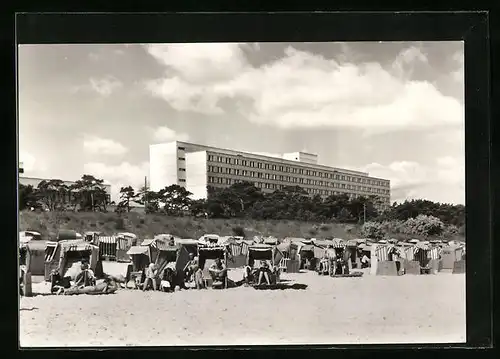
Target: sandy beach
point(370, 309)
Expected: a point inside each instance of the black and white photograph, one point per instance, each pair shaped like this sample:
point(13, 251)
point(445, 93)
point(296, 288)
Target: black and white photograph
point(257, 193)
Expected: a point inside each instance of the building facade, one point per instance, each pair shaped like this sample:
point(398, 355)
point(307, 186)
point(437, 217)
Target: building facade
point(197, 167)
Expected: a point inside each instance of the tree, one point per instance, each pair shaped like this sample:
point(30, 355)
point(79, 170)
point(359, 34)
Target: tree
point(27, 197)
point(127, 194)
point(89, 194)
point(52, 193)
point(175, 199)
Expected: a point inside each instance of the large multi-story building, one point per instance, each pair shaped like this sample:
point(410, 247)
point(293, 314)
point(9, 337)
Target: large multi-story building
point(197, 167)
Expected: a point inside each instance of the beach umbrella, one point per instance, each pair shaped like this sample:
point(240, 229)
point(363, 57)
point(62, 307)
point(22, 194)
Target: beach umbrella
point(414, 241)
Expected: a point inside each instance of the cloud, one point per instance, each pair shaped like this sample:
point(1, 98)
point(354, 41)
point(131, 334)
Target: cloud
point(407, 59)
point(31, 164)
point(103, 146)
point(459, 74)
point(165, 134)
point(442, 181)
point(122, 175)
point(105, 86)
point(302, 90)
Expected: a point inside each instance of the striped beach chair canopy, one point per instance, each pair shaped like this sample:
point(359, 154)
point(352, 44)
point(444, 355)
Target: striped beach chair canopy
point(135, 250)
point(338, 243)
point(164, 236)
point(271, 240)
point(352, 243)
point(76, 246)
point(149, 242)
point(284, 247)
point(185, 241)
point(127, 235)
point(324, 243)
point(107, 239)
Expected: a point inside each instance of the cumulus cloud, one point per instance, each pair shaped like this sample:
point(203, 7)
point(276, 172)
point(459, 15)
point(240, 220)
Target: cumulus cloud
point(103, 146)
point(459, 74)
point(105, 86)
point(406, 61)
point(302, 90)
point(442, 181)
point(122, 175)
point(165, 134)
point(31, 164)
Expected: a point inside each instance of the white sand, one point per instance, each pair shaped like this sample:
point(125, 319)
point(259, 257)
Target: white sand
point(406, 309)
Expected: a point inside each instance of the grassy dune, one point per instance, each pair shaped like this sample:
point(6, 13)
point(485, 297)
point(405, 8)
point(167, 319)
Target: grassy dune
point(144, 226)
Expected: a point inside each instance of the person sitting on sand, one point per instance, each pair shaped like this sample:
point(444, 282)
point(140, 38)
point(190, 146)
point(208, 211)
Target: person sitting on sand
point(167, 280)
point(338, 265)
point(248, 274)
point(191, 267)
point(151, 275)
point(264, 271)
point(324, 264)
point(218, 271)
point(86, 277)
point(365, 261)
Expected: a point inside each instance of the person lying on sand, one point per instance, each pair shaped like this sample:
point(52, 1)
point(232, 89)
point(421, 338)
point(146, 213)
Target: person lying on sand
point(264, 271)
point(218, 271)
point(151, 275)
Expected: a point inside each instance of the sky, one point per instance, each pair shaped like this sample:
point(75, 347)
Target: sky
point(393, 109)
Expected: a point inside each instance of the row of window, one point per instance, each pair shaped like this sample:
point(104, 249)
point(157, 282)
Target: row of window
point(313, 191)
point(274, 186)
point(296, 180)
point(288, 169)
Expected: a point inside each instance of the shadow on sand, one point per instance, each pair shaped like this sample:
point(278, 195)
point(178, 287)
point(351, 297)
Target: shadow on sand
point(281, 286)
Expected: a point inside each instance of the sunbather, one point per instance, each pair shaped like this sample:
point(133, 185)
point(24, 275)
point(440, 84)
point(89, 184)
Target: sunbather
point(218, 271)
point(86, 277)
point(324, 264)
point(264, 271)
point(167, 280)
point(191, 266)
point(151, 276)
point(365, 261)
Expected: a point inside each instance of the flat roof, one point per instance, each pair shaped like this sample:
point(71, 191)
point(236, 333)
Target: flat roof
point(276, 159)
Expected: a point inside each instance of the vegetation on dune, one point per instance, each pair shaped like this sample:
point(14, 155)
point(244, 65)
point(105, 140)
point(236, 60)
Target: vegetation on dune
point(241, 209)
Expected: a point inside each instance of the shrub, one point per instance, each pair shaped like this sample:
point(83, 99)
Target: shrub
point(325, 227)
point(238, 231)
point(119, 223)
point(373, 230)
point(424, 225)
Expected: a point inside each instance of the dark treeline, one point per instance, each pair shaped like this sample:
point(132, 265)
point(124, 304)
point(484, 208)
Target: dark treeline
point(241, 200)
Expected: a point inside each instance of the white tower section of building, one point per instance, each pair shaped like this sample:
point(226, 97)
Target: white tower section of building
point(196, 174)
point(301, 157)
point(166, 166)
